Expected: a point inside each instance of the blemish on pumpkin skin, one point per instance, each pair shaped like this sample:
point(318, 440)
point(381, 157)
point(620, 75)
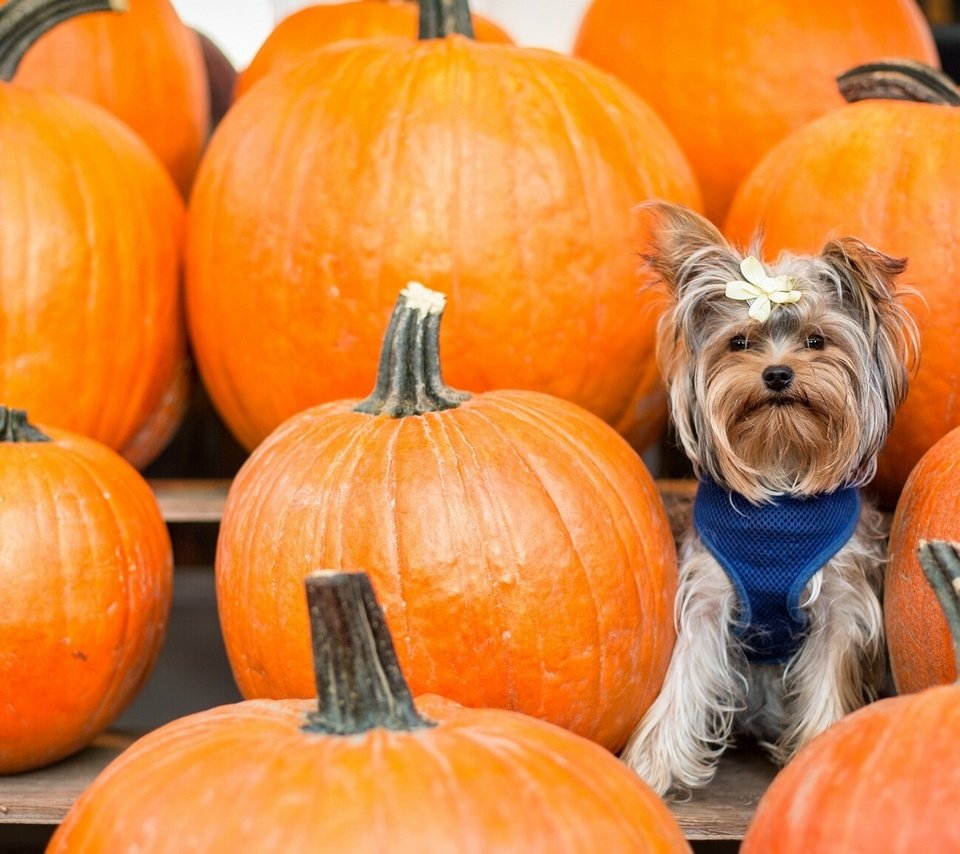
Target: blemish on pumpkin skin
point(80, 655)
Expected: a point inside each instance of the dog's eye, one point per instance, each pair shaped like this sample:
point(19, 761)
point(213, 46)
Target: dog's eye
point(739, 342)
point(814, 342)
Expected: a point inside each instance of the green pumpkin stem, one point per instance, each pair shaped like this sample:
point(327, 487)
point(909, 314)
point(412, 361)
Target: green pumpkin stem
point(22, 22)
point(359, 682)
point(408, 379)
point(441, 18)
point(941, 565)
point(899, 80)
point(14, 427)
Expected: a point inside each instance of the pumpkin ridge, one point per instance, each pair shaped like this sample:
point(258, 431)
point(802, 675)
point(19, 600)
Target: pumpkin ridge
point(250, 519)
point(504, 526)
point(598, 679)
point(599, 481)
point(340, 469)
point(121, 535)
point(408, 63)
point(593, 789)
point(548, 84)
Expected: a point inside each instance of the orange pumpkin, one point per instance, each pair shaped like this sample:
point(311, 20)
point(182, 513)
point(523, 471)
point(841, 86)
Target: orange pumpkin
point(90, 315)
point(519, 545)
point(504, 176)
point(921, 652)
point(732, 81)
point(363, 769)
point(884, 170)
point(312, 27)
point(885, 778)
point(87, 565)
point(145, 66)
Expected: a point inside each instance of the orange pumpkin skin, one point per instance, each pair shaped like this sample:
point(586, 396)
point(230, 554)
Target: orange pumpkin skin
point(502, 176)
point(921, 651)
point(517, 543)
point(481, 780)
point(312, 27)
point(885, 778)
point(731, 85)
point(87, 558)
point(144, 65)
point(90, 250)
point(884, 171)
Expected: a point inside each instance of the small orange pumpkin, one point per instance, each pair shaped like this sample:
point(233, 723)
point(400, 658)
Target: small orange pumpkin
point(921, 651)
point(363, 769)
point(502, 175)
point(519, 545)
point(884, 778)
point(86, 563)
point(882, 168)
point(312, 27)
point(90, 315)
point(144, 66)
point(731, 81)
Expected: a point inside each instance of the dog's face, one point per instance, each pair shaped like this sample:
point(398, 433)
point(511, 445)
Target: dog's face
point(797, 394)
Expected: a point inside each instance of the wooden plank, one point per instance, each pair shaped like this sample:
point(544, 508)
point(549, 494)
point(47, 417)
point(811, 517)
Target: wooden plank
point(203, 500)
point(191, 499)
point(45, 795)
point(720, 811)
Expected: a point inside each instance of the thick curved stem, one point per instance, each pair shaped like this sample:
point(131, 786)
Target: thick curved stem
point(440, 18)
point(22, 22)
point(359, 682)
point(941, 565)
point(408, 379)
point(900, 80)
point(14, 427)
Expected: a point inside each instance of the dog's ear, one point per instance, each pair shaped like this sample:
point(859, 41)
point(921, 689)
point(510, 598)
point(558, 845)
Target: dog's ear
point(869, 289)
point(675, 239)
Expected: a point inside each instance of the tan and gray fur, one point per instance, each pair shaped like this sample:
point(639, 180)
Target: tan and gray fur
point(849, 345)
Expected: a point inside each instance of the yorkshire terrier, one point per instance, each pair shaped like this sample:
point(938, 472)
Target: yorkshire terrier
point(783, 380)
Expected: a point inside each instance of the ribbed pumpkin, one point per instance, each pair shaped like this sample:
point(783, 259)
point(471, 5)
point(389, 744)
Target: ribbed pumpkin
point(363, 769)
point(921, 652)
point(732, 80)
point(90, 248)
point(501, 175)
point(312, 27)
point(87, 570)
point(883, 779)
point(518, 544)
point(884, 169)
point(145, 66)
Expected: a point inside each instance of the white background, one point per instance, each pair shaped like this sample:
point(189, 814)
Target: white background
point(240, 26)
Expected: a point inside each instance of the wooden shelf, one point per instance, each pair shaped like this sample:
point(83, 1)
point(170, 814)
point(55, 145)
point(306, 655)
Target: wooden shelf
point(721, 811)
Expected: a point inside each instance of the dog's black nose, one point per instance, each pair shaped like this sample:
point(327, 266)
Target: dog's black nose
point(777, 377)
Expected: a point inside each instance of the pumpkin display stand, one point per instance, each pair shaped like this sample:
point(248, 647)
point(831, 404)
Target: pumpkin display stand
point(32, 804)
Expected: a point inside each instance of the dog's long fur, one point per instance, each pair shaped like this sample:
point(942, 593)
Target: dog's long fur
point(822, 433)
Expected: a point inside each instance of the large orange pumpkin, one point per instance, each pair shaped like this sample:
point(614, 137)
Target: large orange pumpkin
point(885, 778)
point(90, 245)
point(921, 652)
point(501, 175)
point(87, 570)
point(731, 80)
point(145, 66)
point(518, 544)
point(363, 769)
point(312, 27)
point(884, 170)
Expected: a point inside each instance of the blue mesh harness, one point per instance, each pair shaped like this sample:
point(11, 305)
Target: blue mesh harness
point(770, 552)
